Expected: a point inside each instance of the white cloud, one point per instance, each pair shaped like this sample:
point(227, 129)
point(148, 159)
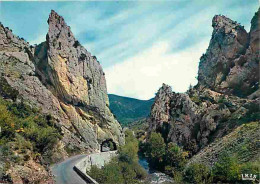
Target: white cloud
point(144, 44)
point(142, 75)
point(38, 40)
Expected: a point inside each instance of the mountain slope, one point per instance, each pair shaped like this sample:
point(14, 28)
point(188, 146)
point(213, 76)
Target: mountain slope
point(128, 110)
point(240, 142)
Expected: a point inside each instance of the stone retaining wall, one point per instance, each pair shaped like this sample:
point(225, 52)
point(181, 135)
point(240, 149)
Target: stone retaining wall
point(98, 159)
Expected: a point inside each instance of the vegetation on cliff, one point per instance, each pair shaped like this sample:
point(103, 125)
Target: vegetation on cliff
point(227, 170)
point(222, 161)
point(26, 135)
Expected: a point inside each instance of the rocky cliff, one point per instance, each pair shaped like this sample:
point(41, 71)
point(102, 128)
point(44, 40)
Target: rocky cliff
point(230, 64)
point(227, 93)
point(60, 77)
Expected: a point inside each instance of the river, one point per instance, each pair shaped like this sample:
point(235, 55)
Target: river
point(154, 177)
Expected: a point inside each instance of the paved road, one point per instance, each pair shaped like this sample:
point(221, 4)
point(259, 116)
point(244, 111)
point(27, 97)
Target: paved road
point(64, 174)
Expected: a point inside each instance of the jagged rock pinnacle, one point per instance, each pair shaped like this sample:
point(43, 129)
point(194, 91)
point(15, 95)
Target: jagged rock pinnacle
point(61, 77)
point(231, 52)
point(220, 21)
point(59, 35)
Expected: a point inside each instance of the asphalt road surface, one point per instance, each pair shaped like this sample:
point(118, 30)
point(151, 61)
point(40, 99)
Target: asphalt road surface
point(64, 174)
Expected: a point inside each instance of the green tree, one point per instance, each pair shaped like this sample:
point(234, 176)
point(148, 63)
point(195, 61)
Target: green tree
point(128, 152)
point(124, 168)
point(139, 170)
point(97, 174)
point(129, 136)
point(198, 173)
point(128, 157)
point(7, 123)
point(128, 173)
point(175, 157)
point(227, 169)
point(178, 177)
point(156, 149)
point(112, 173)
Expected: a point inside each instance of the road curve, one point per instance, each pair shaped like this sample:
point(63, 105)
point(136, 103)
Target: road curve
point(63, 172)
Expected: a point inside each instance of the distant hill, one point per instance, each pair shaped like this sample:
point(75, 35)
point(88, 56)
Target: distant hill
point(128, 110)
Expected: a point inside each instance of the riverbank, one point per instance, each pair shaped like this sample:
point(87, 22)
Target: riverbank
point(154, 177)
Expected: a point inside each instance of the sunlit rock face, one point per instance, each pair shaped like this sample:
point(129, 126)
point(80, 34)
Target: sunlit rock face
point(77, 76)
point(231, 62)
point(60, 77)
point(227, 93)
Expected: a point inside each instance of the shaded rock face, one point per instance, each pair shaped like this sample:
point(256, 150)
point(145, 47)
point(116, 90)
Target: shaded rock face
point(195, 119)
point(61, 78)
point(231, 63)
point(160, 111)
point(227, 93)
point(173, 115)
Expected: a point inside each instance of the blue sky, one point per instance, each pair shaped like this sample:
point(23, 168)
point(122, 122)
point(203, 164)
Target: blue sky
point(140, 44)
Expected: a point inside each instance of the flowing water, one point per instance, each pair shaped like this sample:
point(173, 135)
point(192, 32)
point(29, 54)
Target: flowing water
point(154, 177)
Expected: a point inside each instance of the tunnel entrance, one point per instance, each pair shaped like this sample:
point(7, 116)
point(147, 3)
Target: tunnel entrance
point(108, 145)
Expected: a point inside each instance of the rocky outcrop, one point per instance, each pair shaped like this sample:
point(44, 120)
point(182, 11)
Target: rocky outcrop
point(195, 119)
point(231, 63)
point(60, 77)
point(173, 115)
point(227, 93)
point(30, 172)
point(160, 111)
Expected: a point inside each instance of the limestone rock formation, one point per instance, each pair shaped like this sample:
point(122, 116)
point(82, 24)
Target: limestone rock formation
point(231, 63)
point(60, 77)
point(227, 94)
point(195, 119)
point(173, 115)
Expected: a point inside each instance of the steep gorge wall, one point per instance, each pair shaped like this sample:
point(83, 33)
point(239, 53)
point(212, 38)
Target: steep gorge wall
point(227, 94)
point(60, 77)
point(231, 62)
